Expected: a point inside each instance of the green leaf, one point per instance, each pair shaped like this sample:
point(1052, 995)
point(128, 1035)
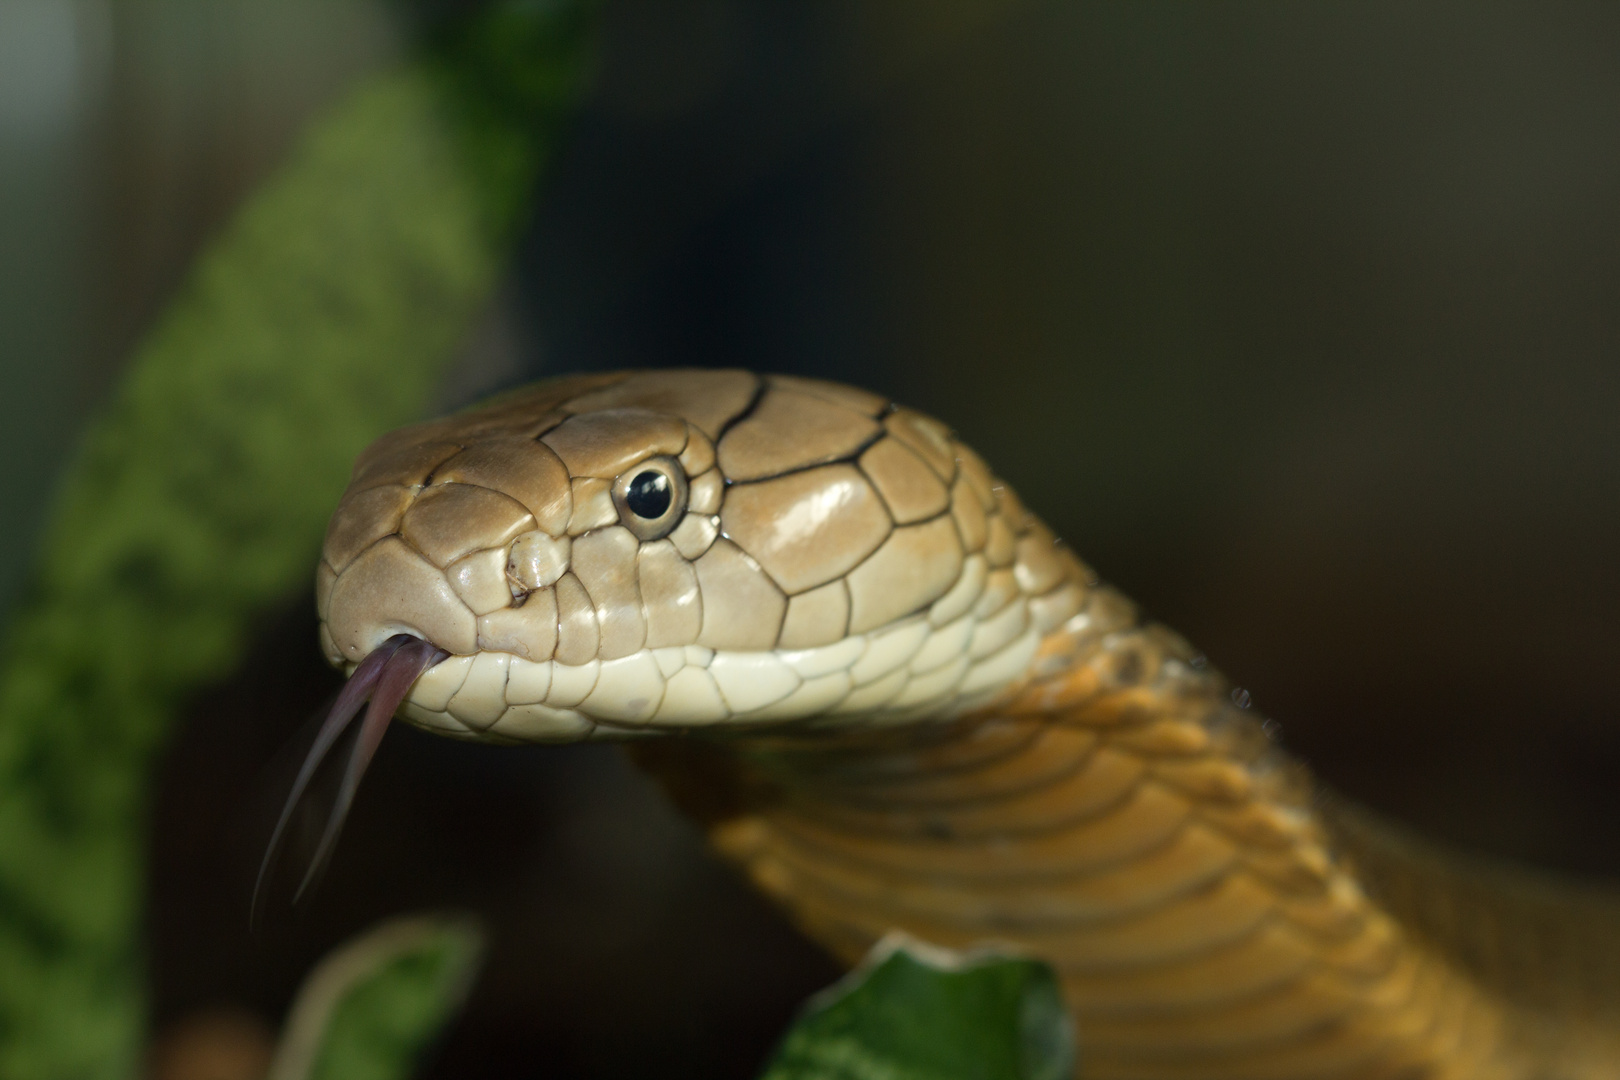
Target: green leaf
point(370, 1008)
point(322, 315)
point(913, 1011)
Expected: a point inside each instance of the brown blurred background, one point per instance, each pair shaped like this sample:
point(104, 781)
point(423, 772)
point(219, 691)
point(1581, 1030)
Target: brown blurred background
point(1301, 322)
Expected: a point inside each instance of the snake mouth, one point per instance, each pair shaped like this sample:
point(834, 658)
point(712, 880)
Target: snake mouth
point(385, 677)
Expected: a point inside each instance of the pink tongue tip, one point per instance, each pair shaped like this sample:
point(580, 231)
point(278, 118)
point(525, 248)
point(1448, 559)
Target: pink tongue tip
point(385, 676)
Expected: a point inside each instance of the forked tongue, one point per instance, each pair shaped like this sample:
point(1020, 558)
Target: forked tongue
point(385, 676)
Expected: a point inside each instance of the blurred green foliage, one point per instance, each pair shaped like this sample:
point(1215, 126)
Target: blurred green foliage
point(911, 1011)
point(369, 1010)
point(916, 1012)
point(321, 317)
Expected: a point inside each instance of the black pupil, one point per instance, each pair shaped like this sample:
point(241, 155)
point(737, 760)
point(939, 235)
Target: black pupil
point(648, 495)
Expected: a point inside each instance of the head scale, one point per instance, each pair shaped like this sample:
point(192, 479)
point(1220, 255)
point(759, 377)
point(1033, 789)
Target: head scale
point(610, 555)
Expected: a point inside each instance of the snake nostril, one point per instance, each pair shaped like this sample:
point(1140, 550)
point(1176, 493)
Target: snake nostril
point(535, 560)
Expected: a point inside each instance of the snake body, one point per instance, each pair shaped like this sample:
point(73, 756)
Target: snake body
point(904, 704)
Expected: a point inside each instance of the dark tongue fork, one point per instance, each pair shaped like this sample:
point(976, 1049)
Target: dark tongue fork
point(385, 676)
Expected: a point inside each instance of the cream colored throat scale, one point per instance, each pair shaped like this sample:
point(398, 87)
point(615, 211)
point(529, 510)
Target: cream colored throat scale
point(906, 705)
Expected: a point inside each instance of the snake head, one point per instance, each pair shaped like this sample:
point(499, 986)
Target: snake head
point(617, 555)
point(606, 556)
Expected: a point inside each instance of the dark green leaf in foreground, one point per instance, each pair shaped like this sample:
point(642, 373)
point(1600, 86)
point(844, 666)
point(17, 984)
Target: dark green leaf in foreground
point(369, 1009)
point(917, 1012)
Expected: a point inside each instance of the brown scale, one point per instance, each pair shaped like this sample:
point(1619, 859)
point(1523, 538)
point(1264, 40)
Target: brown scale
point(1113, 812)
point(1114, 818)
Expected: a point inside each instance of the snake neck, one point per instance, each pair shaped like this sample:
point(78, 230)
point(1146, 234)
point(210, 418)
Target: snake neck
point(1120, 817)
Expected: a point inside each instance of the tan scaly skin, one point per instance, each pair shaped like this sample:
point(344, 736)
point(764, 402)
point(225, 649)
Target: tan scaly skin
point(906, 704)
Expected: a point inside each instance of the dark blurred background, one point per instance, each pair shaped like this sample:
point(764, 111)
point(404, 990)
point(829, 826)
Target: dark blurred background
point(1300, 322)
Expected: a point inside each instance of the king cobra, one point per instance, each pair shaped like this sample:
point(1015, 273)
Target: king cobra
point(897, 701)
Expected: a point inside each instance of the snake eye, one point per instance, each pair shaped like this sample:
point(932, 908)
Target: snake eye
point(651, 497)
point(649, 494)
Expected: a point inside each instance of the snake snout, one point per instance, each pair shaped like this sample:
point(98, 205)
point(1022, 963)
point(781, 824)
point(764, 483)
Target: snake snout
point(449, 560)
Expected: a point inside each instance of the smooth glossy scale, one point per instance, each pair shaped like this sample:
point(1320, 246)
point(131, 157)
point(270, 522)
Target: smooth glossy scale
point(963, 735)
